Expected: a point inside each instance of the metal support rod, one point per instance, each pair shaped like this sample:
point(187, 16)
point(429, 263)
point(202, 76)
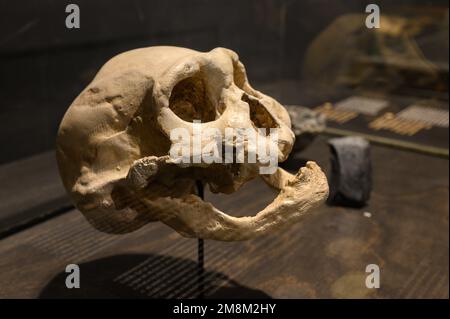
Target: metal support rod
point(200, 250)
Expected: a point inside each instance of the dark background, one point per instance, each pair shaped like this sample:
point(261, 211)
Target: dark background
point(44, 65)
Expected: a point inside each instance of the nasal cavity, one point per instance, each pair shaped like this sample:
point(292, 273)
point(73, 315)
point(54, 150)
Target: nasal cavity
point(189, 100)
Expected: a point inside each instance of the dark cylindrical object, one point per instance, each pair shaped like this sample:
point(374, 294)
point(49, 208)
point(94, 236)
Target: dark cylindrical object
point(351, 171)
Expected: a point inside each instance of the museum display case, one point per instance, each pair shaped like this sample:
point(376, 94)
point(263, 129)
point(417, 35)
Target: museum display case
point(224, 149)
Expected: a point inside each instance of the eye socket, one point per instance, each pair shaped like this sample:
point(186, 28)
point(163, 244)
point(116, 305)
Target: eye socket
point(260, 117)
point(189, 100)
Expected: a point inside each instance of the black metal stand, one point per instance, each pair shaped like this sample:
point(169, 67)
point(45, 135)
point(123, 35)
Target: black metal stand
point(200, 250)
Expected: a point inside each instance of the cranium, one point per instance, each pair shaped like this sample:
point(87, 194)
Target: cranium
point(113, 146)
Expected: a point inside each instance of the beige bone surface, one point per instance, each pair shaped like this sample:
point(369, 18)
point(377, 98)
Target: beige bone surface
point(113, 145)
point(192, 217)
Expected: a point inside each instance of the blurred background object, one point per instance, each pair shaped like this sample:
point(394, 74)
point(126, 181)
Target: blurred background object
point(407, 54)
point(351, 171)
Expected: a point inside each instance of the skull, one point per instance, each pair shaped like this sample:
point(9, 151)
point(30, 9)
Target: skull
point(114, 143)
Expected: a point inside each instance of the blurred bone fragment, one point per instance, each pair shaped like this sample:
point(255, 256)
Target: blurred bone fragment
point(306, 124)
